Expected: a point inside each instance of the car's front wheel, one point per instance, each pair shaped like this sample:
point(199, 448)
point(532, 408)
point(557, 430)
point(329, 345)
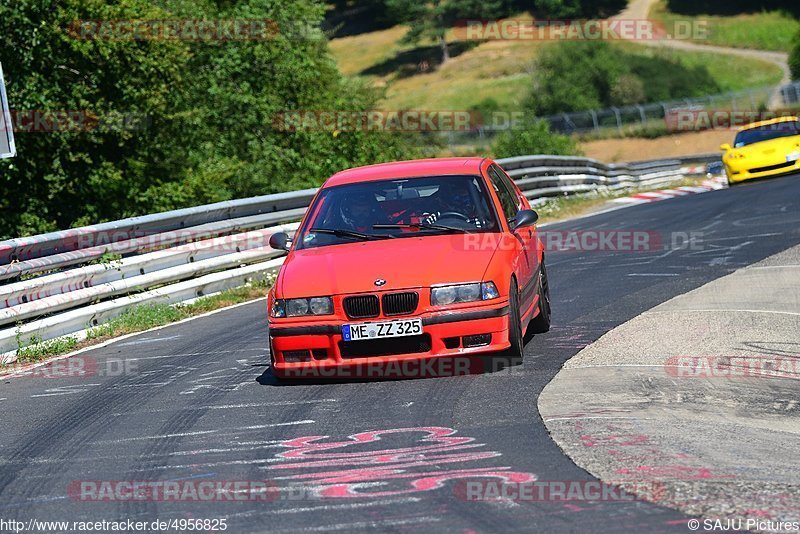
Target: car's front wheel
point(541, 323)
point(514, 352)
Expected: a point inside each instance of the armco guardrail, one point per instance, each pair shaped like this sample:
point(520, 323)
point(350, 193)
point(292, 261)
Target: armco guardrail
point(65, 282)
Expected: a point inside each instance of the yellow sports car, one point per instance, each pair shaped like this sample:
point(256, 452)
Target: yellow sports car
point(765, 148)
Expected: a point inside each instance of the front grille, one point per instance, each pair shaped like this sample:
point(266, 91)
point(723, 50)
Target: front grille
point(400, 303)
point(360, 307)
point(773, 167)
point(385, 347)
point(294, 356)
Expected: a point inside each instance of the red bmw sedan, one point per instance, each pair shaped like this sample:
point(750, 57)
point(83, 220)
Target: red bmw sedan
point(408, 261)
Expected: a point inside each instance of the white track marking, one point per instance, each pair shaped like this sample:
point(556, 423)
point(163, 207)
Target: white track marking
point(272, 445)
point(729, 310)
point(203, 432)
point(147, 340)
point(373, 524)
point(149, 438)
point(230, 406)
point(582, 417)
point(66, 390)
point(329, 507)
point(160, 357)
point(197, 465)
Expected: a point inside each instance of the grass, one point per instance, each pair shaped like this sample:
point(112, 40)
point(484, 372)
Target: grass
point(568, 207)
point(730, 73)
point(767, 30)
point(495, 70)
point(139, 319)
point(39, 350)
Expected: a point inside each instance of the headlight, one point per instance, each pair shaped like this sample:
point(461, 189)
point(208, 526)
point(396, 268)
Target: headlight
point(278, 308)
point(321, 306)
point(302, 307)
point(297, 307)
point(455, 294)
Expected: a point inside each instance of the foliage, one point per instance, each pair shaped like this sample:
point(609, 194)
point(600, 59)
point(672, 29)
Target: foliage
point(732, 7)
point(726, 25)
point(602, 75)
point(533, 137)
point(209, 109)
point(578, 9)
point(432, 19)
point(794, 58)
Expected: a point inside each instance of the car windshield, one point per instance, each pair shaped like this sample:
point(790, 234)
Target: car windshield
point(766, 132)
point(398, 208)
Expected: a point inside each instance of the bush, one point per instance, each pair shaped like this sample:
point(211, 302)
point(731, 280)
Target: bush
point(794, 58)
point(577, 9)
point(533, 137)
point(584, 75)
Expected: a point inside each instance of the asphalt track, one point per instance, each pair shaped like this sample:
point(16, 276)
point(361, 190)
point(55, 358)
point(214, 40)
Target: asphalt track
point(196, 401)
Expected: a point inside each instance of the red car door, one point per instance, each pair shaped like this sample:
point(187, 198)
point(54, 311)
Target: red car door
point(526, 261)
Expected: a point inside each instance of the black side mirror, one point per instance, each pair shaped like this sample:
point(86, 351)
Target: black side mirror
point(525, 218)
point(280, 241)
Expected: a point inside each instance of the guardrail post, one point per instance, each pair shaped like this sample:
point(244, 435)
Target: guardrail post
point(641, 114)
point(618, 117)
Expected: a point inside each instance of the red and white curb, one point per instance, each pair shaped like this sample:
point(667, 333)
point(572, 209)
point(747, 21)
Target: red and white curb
point(719, 182)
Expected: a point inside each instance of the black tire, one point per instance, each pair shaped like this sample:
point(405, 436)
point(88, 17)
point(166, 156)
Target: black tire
point(515, 351)
point(541, 323)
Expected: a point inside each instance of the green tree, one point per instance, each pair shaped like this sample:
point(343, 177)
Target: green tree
point(210, 108)
point(574, 76)
point(65, 173)
point(599, 75)
point(577, 9)
point(533, 137)
point(431, 19)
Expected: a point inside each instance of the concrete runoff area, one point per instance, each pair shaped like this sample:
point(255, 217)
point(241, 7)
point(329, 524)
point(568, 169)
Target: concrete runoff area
point(695, 404)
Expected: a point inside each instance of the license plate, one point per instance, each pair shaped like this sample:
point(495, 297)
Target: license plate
point(361, 331)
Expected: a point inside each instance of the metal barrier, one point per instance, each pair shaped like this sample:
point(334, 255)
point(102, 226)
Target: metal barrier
point(65, 282)
point(656, 114)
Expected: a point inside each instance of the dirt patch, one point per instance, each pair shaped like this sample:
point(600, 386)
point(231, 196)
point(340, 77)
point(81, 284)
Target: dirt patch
point(632, 149)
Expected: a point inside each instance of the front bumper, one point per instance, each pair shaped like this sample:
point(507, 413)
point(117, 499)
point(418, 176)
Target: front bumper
point(328, 356)
point(740, 172)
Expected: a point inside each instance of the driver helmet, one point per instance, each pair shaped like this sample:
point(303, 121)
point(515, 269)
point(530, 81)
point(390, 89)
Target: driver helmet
point(357, 210)
point(456, 193)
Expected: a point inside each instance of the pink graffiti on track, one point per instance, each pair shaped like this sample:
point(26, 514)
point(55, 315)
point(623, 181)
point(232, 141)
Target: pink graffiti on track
point(342, 473)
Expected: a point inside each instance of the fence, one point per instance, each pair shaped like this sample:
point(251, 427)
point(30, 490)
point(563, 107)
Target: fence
point(647, 115)
point(65, 282)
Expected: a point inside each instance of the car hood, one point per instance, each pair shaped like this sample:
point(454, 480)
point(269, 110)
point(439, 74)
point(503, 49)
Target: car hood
point(404, 263)
point(772, 149)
